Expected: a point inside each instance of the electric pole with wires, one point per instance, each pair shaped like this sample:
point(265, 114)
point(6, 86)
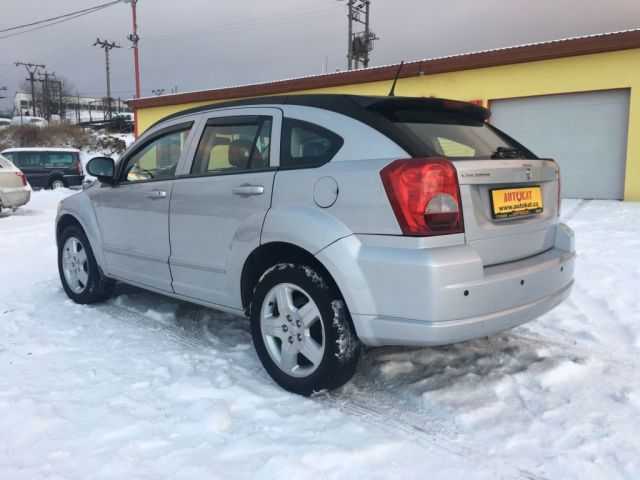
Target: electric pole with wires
point(32, 70)
point(360, 44)
point(47, 79)
point(107, 46)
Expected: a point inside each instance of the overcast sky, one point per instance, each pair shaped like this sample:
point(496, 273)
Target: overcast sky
point(200, 44)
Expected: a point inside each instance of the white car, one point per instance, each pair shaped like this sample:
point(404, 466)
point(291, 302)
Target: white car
point(14, 188)
point(28, 120)
point(4, 123)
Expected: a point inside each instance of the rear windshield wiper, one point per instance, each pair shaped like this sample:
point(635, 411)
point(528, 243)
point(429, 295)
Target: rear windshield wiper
point(507, 152)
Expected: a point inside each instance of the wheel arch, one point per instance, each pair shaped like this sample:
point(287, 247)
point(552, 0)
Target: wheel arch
point(269, 254)
point(90, 228)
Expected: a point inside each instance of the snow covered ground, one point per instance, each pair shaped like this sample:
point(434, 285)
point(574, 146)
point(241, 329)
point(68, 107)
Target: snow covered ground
point(145, 387)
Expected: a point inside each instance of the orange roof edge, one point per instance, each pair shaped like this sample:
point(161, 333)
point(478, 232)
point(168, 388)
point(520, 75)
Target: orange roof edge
point(569, 47)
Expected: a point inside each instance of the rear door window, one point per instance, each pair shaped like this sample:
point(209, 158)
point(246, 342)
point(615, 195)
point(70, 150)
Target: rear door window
point(305, 144)
point(234, 144)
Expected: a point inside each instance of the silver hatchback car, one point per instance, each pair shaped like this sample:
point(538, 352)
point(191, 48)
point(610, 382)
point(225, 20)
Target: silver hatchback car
point(331, 221)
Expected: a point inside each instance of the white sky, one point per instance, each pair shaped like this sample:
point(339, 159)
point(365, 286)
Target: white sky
point(199, 44)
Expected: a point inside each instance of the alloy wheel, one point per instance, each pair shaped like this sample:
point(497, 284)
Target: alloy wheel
point(75, 265)
point(292, 330)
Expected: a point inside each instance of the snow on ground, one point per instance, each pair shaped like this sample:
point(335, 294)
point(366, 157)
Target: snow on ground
point(146, 387)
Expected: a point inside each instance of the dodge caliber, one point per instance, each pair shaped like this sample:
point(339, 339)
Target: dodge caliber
point(331, 222)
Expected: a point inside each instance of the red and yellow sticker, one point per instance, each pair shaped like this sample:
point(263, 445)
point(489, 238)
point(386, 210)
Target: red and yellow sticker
point(512, 202)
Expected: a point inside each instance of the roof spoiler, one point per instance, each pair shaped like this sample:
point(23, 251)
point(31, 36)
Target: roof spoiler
point(389, 104)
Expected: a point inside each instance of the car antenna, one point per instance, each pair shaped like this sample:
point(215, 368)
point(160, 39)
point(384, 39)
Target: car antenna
point(392, 92)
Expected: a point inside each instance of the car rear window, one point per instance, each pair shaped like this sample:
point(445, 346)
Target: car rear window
point(4, 162)
point(455, 135)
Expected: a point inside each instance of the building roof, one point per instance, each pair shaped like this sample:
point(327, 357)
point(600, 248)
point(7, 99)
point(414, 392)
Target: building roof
point(531, 52)
point(41, 149)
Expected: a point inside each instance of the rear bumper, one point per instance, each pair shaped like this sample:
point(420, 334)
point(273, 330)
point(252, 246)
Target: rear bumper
point(437, 296)
point(14, 197)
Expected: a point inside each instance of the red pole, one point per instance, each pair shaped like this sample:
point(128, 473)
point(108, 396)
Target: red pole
point(136, 60)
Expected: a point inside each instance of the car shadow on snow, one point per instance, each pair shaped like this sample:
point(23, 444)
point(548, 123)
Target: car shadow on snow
point(429, 369)
point(407, 373)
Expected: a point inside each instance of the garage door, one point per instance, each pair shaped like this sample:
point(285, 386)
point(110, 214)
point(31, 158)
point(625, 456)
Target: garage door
point(586, 133)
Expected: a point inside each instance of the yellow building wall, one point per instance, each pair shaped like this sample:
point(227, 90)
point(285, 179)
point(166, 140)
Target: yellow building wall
point(602, 71)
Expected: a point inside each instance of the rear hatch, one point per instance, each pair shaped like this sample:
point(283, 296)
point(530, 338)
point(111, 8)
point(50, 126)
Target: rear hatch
point(510, 207)
point(509, 196)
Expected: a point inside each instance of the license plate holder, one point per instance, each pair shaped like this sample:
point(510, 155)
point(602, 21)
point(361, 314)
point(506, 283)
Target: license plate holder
point(516, 201)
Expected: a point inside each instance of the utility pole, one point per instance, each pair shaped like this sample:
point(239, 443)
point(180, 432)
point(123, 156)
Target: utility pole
point(32, 69)
point(46, 78)
point(107, 46)
point(134, 38)
point(360, 44)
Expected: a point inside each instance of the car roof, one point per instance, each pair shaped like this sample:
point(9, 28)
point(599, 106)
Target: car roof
point(342, 103)
point(367, 109)
point(41, 149)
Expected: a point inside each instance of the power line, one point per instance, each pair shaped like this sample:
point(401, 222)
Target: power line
point(66, 19)
point(46, 20)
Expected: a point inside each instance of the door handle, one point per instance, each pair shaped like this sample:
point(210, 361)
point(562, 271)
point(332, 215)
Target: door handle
point(246, 190)
point(156, 194)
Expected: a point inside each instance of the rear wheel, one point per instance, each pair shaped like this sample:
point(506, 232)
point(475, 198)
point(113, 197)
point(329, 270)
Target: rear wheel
point(302, 331)
point(56, 183)
point(81, 278)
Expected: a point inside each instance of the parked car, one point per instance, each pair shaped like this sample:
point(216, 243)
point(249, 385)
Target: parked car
point(329, 221)
point(14, 188)
point(4, 123)
point(29, 120)
point(48, 167)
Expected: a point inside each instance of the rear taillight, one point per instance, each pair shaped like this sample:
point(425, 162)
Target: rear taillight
point(23, 178)
point(424, 195)
point(79, 167)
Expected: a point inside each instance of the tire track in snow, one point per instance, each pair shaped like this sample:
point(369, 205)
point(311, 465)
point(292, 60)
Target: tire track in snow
point(378, 411)
point(408, 424)
point(379, 408)
point(566, 347)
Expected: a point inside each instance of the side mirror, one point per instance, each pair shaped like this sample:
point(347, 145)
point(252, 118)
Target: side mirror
point(103, 168)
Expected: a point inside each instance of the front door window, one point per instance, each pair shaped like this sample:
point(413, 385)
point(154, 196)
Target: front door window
point(158, 159)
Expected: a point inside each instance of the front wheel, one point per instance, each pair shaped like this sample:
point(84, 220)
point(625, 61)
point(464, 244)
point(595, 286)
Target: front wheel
point(302, 331)
point(81, 278)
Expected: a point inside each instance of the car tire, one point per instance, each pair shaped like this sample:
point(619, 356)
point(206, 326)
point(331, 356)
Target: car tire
point(56, 183)
point(81, 278)
point(302, 330)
